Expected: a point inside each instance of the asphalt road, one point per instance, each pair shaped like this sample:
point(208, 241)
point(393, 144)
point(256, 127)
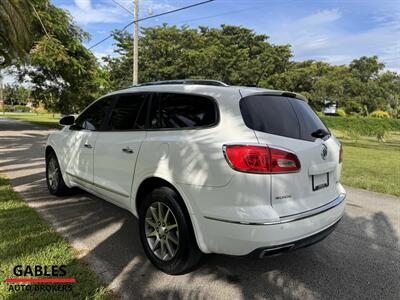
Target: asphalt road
point(360, 260)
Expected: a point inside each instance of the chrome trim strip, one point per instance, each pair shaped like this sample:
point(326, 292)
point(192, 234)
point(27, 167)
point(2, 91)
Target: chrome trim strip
point(80, 178)
point(290, 218)
point(111, 190)
point(99, 186)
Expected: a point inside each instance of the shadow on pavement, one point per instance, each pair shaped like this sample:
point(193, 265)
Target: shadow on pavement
point(359, 260)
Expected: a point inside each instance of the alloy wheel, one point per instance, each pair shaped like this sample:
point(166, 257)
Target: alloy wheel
point(52, 173)
point(162, 231)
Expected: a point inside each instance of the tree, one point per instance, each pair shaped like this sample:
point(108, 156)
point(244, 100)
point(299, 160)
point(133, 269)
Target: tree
point(15, 38)
point(360, 88)
point(307, 78)
point(239, 56)
point(232, 54)
point(366, 68)
point(65, 75)
point(16, 94)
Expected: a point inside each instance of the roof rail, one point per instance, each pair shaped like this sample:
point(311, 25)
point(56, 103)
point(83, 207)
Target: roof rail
point(185, 81)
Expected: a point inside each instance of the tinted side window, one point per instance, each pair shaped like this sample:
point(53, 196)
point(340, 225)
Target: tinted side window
point(308, 119)
point(270, 114)
point(93, 117)
point(129, 112)
point(183, 111)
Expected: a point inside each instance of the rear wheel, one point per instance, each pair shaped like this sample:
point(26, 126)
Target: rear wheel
point(166, 232)
point(55, 181)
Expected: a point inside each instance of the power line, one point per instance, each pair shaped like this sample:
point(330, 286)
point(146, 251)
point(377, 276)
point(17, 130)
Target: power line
point(175, 10)
point(40, 20)
point(123, 7)
point(146, 18)
point(108, 37)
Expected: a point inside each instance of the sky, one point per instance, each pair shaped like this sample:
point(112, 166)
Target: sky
point(335, 31)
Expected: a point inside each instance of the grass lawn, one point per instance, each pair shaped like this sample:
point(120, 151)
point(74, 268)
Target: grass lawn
point(26, 239)
point(372, 165)
point(41, 119)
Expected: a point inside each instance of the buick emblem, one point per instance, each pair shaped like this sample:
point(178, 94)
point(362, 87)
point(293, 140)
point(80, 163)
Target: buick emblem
point(324, 151)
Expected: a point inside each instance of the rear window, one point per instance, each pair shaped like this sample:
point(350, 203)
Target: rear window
point(280, 115)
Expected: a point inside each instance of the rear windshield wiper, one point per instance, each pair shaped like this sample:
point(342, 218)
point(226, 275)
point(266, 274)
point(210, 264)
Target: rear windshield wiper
point(320, 133)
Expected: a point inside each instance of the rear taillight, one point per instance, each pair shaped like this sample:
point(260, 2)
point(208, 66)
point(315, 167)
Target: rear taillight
point(248, 158)
point(261, 159)
point(283, 161)
point(341, 154)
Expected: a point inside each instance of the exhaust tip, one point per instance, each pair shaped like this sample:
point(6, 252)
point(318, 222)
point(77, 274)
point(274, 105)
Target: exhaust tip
point(275, 251)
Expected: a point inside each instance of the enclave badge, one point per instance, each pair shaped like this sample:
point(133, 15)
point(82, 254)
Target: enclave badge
point(324, 151)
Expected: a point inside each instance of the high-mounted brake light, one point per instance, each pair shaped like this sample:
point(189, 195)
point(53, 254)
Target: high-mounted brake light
point(261, 159)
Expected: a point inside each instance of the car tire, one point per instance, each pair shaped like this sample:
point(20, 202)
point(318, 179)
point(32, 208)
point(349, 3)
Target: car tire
point(54, 179)
point(172, 249)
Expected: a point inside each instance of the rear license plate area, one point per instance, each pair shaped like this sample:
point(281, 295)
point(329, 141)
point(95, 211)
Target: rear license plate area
point(320, 181)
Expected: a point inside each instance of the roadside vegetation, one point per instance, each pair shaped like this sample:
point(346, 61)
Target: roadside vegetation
point(370, 164)
point(46, 119)
point(363, 126)
point(26, 239)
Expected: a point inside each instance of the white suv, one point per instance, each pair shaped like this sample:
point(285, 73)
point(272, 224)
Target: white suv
point(206, 168)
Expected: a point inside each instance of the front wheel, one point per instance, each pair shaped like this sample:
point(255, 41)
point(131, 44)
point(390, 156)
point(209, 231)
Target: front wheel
point(55, 181)
point(166, 233)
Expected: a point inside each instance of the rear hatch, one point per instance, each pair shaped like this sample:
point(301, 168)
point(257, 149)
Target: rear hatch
point(286, 122)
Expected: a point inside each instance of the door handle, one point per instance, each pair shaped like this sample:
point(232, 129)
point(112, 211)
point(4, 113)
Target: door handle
point(88, 146)
point(127, 150)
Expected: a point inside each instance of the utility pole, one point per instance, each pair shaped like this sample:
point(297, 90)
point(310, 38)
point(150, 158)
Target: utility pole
point(1, 93)
point(135, 23)
point(2, 60)
point(135, 42)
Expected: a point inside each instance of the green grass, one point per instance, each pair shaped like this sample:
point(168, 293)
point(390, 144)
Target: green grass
point(372, 165)
point(42, 119)
point(26, 239)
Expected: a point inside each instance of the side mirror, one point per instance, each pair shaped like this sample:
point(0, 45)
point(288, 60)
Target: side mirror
point(67, 120)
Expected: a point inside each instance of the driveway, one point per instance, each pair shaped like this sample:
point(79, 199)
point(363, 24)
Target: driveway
point(360, 260)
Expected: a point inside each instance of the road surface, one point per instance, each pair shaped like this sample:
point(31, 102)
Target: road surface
point(360, 260)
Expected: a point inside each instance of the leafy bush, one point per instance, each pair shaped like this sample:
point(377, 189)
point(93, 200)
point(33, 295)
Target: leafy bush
point(7, 107)
point(40, 109)
point(16, 108)
point(380, 114)
point(362, 125)
point(352, 107)
point(340, 112)
point(21, 108)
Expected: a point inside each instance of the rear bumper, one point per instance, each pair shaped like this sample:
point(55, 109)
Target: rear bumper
point(302, 243)
point(290, 232)
point(290, 218)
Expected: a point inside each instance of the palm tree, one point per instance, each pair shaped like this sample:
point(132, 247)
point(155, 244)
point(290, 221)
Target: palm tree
point(15, 37)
